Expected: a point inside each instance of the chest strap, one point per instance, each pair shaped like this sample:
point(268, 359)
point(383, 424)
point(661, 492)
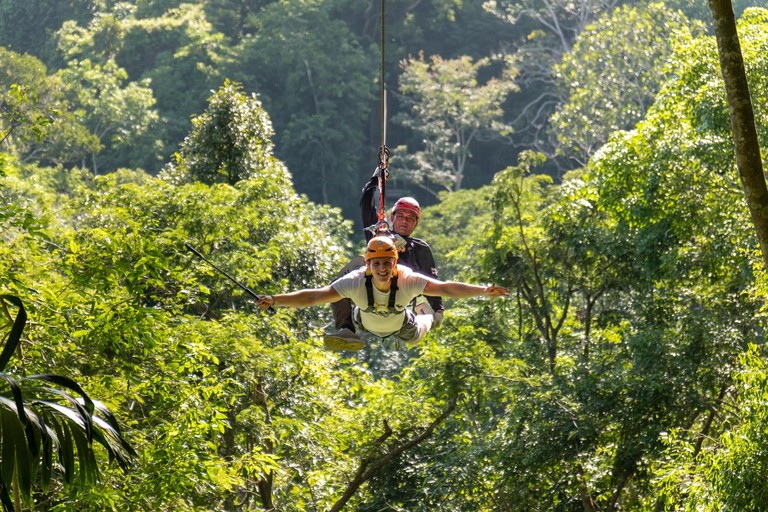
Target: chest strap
point(392, 293)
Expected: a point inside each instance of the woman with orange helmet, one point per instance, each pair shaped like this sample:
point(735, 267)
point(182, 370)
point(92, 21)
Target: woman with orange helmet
point(381, 292)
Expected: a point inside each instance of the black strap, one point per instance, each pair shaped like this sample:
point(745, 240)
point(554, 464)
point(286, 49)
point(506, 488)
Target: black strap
point(392, 292)
point(369, 291)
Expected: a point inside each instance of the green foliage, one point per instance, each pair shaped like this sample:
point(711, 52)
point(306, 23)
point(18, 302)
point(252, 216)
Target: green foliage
point(41, 422)
point(451, 228)
point(159, 51)
point(609, 79)
point(19, 110)
point(320, 120)
point(630, 308)
point(315, 66)
point(17, 17)
point(546, 33)
point(178, 50)
point(118, 114)
point(449, 109)
point(727, 473)
point(632, 284)
point(230, 141)
point(51, 132)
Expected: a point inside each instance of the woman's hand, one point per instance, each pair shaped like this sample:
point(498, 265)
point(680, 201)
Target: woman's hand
point(496, 291)
point(265, 301)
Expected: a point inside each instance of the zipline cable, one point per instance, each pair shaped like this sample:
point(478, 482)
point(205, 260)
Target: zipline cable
point(383, 156)
point(383, 85)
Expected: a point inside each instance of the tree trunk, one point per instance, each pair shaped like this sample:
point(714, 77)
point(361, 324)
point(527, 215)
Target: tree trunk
point(264, 484)
point(745, 139)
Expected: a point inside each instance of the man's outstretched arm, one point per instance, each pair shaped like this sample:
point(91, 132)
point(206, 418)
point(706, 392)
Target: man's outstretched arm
point(301, 298)
point(459, 290)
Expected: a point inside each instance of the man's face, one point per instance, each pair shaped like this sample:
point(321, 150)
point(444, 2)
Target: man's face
point(404, 222)
point(382, 268)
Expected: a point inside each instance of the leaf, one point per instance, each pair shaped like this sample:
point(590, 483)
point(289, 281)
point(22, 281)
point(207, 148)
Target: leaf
point(88, 467)
point(10, 422)
point(66, 451)
point(15, 335)
point(64, 382)
point(23, 463)
point(17, 397)
point(47, 463)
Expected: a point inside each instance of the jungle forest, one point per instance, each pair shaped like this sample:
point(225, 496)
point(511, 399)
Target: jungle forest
point(599, 159)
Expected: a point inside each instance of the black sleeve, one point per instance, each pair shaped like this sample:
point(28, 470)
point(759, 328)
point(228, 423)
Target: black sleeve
point(426, 263)
point(368, 206)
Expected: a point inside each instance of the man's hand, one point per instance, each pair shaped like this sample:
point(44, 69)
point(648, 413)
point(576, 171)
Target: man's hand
point(437, 318)
point(496, 291)
point(265, 301)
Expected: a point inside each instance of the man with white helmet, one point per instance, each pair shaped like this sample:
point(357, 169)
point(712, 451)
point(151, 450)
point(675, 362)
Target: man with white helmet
point(380, 292)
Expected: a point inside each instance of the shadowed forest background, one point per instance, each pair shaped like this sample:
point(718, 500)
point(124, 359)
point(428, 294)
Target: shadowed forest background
point(578, 153)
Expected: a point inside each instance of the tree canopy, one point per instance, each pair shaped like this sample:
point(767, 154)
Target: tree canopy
point(624, 373)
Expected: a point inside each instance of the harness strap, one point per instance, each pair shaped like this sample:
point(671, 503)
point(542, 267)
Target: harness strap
point(369, 291)
point(392, 292)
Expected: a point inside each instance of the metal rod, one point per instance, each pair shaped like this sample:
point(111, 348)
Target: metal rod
point(242, 287)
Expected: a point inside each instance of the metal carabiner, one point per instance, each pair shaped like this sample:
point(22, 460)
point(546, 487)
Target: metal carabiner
point(383, 157)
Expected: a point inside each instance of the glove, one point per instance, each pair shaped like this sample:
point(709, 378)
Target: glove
point(437, 318)
point(377, 173)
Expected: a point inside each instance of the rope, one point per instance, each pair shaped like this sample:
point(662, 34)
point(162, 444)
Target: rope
point(383, 86)
point(383, 155)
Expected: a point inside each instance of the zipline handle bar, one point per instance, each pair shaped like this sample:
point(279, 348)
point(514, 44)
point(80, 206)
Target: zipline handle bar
point(242, 286)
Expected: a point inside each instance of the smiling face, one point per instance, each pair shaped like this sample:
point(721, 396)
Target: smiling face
point(381, 271)
point(404, 222)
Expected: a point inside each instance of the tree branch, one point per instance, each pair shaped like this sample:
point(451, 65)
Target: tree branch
point(364, 472)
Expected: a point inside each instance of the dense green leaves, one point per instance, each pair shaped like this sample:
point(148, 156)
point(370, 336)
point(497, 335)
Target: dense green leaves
point(314, 65)
point(612, 75)
point(230, 141)
point(17, 17)
point(449, 109)
point(320, 120)
point(605, 382)
point(118, 114)
point(38, 423)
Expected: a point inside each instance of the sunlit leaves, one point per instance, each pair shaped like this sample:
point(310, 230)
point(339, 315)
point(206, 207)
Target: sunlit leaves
point(41, 421)
point(229, 142)
point(450, 108)
point(20, 113)
point(612, 74)
point(116, 112)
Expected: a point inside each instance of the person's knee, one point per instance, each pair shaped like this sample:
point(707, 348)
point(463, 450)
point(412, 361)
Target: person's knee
point(416, 328)
point(423, 325)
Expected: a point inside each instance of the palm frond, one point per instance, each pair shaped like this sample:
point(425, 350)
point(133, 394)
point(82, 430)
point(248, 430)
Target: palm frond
point(41, 423)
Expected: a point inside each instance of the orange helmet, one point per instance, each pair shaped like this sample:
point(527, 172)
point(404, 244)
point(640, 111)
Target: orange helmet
point(381, 247)
point(407, 203)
